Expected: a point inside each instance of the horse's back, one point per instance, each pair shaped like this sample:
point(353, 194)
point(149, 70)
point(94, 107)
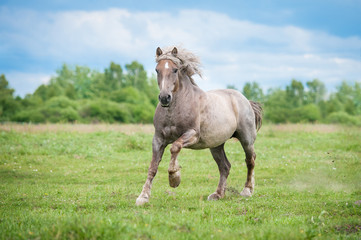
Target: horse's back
point(230, 93)
point(240, 104)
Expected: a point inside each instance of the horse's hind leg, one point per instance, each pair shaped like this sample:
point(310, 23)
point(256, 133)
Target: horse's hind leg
point(224, 166)
point(250, 161)
point(247, 135)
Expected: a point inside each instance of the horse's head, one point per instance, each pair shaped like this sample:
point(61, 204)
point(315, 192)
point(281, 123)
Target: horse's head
point(167, 74)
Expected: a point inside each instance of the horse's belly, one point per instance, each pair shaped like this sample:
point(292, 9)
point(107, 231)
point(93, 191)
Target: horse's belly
point(218, 122)
point(211, 141)
point(216, 136)
point(216, 132)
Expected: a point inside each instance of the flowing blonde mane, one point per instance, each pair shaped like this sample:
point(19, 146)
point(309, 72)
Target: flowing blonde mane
point(186, 61)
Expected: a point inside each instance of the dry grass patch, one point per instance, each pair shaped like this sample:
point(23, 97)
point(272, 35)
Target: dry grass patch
point(311, 128)
point(81, 128)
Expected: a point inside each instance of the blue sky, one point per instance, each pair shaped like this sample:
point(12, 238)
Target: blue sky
point(270, 42)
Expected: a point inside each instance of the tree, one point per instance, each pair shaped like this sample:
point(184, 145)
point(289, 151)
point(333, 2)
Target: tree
point(277, 107)
point(65, 76)
point(316, 91)
point(295, 93)
point(83, 80)
point(4, 87)
point(31, 101)
point(231, 86)
point(59, 85)
point(357, 97)
point(114, 76)
point(41, 92)
point(8, 105)
point(253, 92)
point(347, 95)
point(152, 90)
point(136, 76)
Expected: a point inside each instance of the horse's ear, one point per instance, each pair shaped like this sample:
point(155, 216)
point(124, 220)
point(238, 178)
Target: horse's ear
point(175, 51)
point(159, 52)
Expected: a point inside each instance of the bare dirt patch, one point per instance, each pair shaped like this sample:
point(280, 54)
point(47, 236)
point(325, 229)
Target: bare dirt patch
point(348, 228)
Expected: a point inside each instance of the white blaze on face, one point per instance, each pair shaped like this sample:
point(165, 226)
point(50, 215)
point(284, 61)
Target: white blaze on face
point(163, 81)
point(166, 66)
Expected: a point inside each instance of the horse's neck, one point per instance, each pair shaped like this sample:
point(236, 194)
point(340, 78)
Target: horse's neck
point(187, 86)
point(187, 94)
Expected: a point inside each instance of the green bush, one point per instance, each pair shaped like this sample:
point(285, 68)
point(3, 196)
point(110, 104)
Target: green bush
point(61, 102)
point(142, 113)
point(277, 114)
point(343, 118)
point(57, 114)
point(8, 107)
point(307, 113)
point(31, 101)
point(129, 95)
point(105, 111)
point(33, 115)
point(60, 109)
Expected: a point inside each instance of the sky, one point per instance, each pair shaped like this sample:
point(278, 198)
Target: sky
point(270, 42)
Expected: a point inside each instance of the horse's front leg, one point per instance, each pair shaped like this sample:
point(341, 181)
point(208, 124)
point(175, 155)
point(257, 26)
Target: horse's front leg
point(158, 150)
point(187, 139)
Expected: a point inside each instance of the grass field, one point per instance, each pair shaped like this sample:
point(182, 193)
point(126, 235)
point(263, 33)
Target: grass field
point(81, 182)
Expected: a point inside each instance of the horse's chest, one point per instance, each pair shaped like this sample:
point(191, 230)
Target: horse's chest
point(170, 132)
point(173, 124)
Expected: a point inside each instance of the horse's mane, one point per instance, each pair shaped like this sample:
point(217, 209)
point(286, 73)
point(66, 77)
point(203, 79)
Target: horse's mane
point(185, 60)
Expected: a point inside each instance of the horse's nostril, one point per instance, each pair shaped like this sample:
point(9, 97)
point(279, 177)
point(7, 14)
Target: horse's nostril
point(165, 99)
point(159, 97)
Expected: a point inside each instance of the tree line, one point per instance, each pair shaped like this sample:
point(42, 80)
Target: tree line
point(308, 103)
point(80, 94)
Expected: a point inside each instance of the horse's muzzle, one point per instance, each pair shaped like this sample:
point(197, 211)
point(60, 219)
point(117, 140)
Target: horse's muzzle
point(165, 100)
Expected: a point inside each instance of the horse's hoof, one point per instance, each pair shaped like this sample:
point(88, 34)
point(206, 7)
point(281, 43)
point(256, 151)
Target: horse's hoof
point(246, 192)
point(214, 197)
point(174, 179)
point(141, 201)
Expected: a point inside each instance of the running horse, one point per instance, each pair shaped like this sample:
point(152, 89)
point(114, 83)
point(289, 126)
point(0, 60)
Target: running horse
point(188, 117)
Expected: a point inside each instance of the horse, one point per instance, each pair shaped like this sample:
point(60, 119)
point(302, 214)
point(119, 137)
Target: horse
point(188, 117)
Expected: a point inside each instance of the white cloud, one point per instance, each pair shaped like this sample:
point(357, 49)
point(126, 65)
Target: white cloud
point(233, 51)
point(274, 70)
point(26, 82)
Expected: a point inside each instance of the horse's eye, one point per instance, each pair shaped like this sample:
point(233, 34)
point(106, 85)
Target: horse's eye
point(175, 70)
point(157, 71)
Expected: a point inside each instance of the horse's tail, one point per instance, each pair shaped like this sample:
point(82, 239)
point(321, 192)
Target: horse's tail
point(258, 113)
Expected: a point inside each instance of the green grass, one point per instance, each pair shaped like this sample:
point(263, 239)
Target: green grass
point(71, 185)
